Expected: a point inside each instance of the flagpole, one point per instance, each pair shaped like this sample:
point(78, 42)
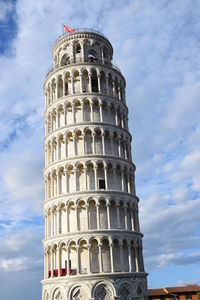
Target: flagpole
point(62, 29)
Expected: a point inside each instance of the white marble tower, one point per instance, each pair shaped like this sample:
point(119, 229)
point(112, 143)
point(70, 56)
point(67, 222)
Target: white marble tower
point(93, 243)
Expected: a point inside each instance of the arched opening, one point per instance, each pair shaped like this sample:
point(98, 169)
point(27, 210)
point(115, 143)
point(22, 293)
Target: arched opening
point(84, 264)
point(96, 110)
point(103, 82)
point(57, 295)
point(101, 176)
point(86, 111)
point(73, 259)
point(85, 81)
point(111, 177)
point(71, 217)
point(69, 118)
point(88, 141)
point(90, 177)
point(77, 52)
point(80, 182)
point(67, 82)
point(116, 256)
point(107, 142)
point(125, 256)
point(103, 215)
point(82, 216)
point(113, 214)
point(94, 81)
point(78, 113)
point(60, 86)
point(79, 143)
point(92, 55)
point(92, 214)
point(122, 215)
point(98, 141)
point(76, 82)
point(106, 256)
point(65, 60)
point(94, 250)
point(63, 218)
point(63, 260)
point(69, 145)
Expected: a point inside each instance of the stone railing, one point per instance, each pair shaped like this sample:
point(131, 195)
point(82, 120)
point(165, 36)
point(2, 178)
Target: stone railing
point(83, 61)
point(80, 30)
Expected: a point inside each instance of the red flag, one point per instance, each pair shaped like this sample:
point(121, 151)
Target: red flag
point(68, 29)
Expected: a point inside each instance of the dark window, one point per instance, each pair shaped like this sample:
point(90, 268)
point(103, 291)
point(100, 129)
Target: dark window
point(102, 185)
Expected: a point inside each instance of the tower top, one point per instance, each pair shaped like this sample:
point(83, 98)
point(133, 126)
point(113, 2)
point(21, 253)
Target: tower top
point(83, 34)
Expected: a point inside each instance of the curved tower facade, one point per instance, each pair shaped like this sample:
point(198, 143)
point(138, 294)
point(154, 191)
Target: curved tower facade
point(93, 243)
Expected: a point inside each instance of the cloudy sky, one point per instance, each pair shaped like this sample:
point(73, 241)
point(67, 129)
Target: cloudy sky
point(157, 47)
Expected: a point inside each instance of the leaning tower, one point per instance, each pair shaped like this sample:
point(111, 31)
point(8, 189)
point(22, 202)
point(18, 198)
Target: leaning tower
point(93, 244)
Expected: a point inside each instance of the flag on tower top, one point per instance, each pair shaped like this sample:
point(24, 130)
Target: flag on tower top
point(68, 29)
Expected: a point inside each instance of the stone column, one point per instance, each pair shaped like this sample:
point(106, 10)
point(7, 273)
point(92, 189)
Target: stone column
point(126, 218)
point(99, 82)
point(123, 186)
point(52, 223)
point(132, 219)
point(119, 93)
point(95, 178)
point(103, 142)
point(90, 82)
point(58, 220)
point(121, 257)
point(108, 215)
point(47, 225)
point(74, 143)
point(116, 118)
point(111, 141)
point(89, 261)
point(68, 259)
point(82, 110)
point(87, 216)
point(106, 176)
point(129, 259)
point(119, 147)
point(113, 88)
point(91, 111)
point(100, 258)
point(136, 259)
point(111, 258)
point(118, 218)
point(72, 84)
point(73, 114)
point(56, 91)
point(101, 113)
point(84, 146)
point(78, 260)
point(98, 224)
point(67, 219)
point(75, 174)
point(107, 85)
point(76, 216)
point(85, 175)
point(81, 83)
point(93, 143)
point(63, 79)
point(58, 261)
point(52, 263)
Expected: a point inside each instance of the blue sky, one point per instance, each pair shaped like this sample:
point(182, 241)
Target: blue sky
point(157, 47)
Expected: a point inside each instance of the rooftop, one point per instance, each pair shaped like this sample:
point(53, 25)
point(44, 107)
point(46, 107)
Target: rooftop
point(172, 290)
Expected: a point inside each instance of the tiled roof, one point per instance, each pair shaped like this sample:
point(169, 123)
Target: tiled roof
point(172, 290)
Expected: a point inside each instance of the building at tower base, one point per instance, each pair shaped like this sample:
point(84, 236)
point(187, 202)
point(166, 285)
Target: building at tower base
point(93, 244)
